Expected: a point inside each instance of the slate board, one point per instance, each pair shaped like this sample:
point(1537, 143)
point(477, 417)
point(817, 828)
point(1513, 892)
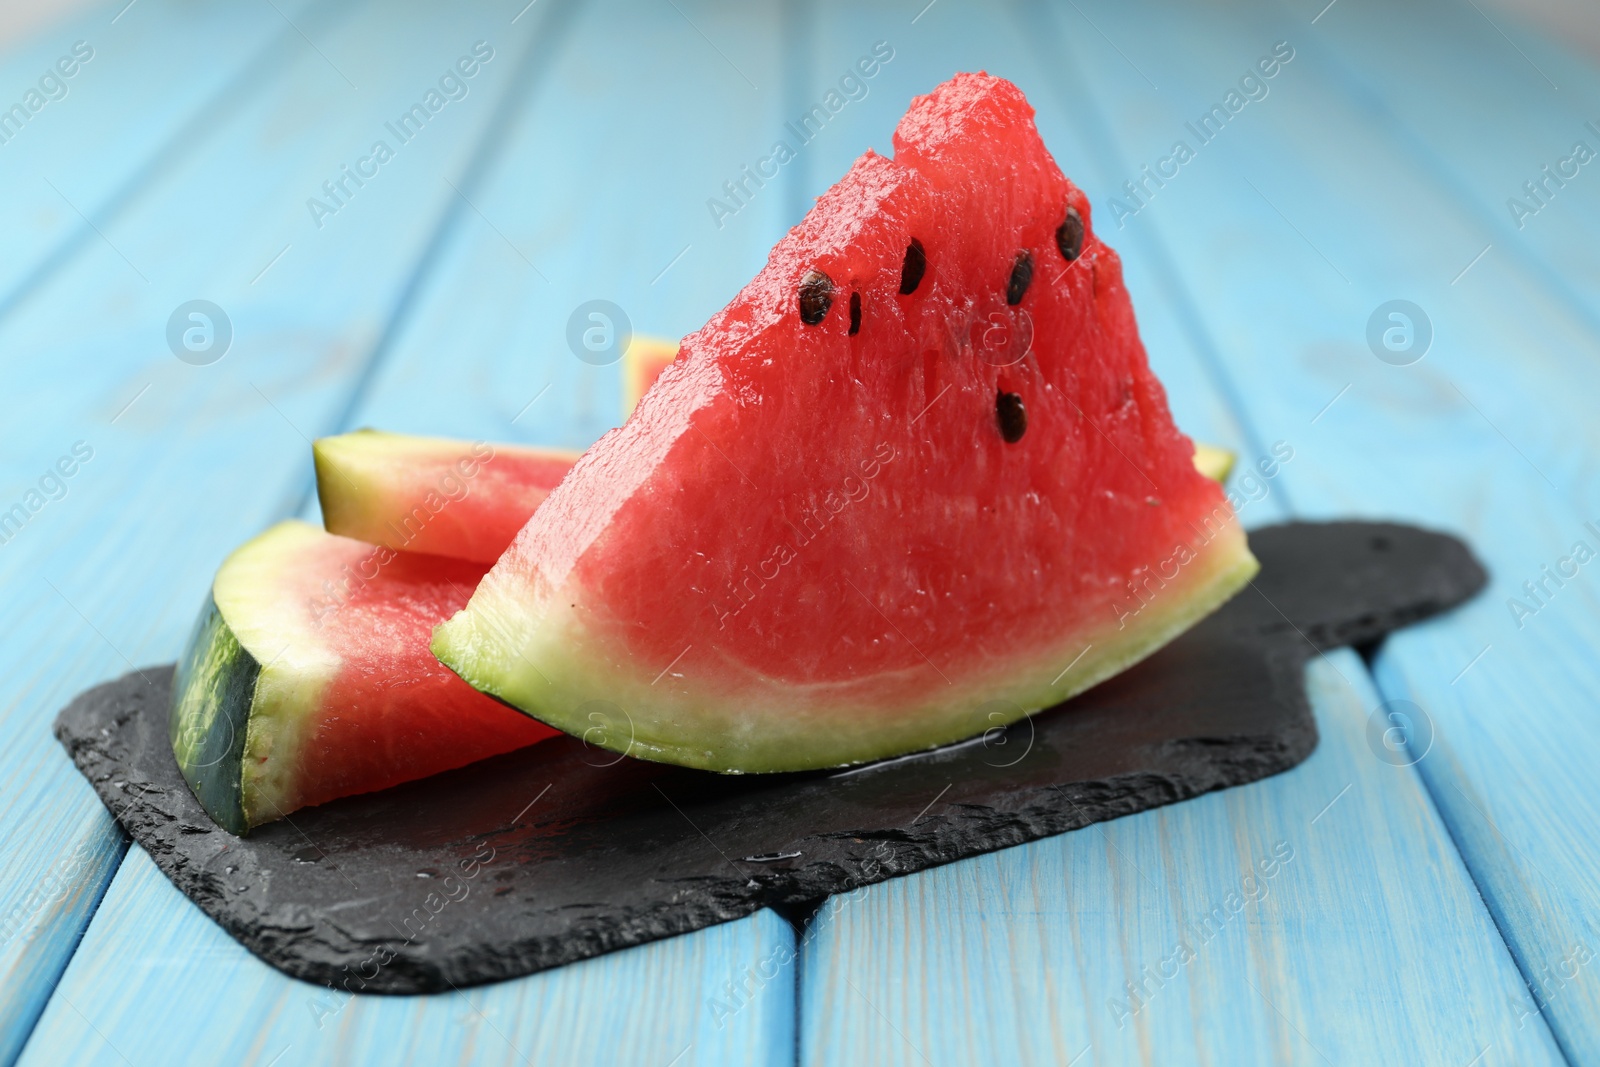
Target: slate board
point(564, 851)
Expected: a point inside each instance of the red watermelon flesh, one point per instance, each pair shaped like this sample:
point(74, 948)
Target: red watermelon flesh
point(866, 512)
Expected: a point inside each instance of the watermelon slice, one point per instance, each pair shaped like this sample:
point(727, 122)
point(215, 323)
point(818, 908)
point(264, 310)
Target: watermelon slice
point(465, 499)
point(916, 480)
point(309, 677)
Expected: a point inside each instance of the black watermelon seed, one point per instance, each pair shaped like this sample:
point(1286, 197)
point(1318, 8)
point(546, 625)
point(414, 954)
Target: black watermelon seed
point(1012, 415)
point(1069, 235)
point(816, 297)
point(916, 265)
point(1021, 276)
point(855, 313)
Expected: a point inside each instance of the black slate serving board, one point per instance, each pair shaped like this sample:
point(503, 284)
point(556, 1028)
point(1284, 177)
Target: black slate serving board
point(564, 851)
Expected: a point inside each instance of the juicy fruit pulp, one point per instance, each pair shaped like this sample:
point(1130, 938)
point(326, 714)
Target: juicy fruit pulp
point(914, 482)
point(309, 678)
point(465, 499)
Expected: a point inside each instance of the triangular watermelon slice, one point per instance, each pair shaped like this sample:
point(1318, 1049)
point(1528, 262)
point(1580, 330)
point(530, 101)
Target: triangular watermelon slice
point(915, 480)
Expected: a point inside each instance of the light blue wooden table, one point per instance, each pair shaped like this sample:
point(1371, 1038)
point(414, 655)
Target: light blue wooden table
point(1432, 904)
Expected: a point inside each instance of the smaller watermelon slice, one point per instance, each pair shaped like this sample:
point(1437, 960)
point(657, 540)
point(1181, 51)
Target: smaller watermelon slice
point(465, 499)
point(308, 677)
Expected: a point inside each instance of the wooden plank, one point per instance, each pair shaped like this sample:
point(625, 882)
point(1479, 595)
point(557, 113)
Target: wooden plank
point(1027, 953)
point(1483, 145)
point(185, 461)
point(603, 196)
point(556, 221)
point(156, 983)
point(1321, 916)
point(142, 96)
point(1485, 435)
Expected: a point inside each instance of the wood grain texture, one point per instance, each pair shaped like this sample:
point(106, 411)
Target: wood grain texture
point(974, 1004)
point(156, 983)
point(1322, 916)
point(1484, 146)
point(1372, 170)
point(159, 75)
point(189, 460)
point(601, 194)
point(1491, 434)
point(1483, 138)
point(481, 333)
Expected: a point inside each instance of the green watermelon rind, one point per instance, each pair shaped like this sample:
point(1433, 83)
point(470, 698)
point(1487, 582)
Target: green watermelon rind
point(212, 692)
point(548, 678)
point(245, 686)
